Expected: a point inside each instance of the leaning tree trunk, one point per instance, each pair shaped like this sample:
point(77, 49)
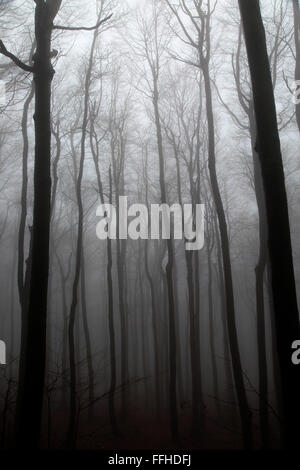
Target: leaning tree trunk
point(244, 409)
point(31, 386)
point(279, 238)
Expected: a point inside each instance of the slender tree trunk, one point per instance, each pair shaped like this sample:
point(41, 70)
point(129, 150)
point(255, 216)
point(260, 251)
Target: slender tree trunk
point(71, 438)
point(12, 311)
point(178, 342)
point(113, 366)
point(121, 285)
point(109, 280)
point(172, 392)
point(194, 323)
point(244, 410)
point(155, 333)
point(87, 338)
point(226, 351)
point(259, 287)
point(64, 279)
point(212, 333)
point(279, 239)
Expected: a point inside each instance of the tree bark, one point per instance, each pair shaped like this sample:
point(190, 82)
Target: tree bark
point(72, 432)
point(31, 386)
point(244, 410)
point(296, 12)
point(172, 392)
point(259, 289)
point(279, 239)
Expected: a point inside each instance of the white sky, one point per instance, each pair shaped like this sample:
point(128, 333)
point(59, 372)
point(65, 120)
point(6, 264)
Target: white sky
point(134, 3)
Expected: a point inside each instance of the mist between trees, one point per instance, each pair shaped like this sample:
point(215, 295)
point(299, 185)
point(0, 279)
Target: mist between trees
point(129, 342)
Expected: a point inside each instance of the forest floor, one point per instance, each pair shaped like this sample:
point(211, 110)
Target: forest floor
point(141, 429)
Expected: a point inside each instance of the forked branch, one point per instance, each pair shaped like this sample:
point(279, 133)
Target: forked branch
point(15, 59)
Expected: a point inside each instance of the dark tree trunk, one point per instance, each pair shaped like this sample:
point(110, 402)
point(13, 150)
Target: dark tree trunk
point(226, 351)
point(112, 342)
point(193, 304)
point(64, 278)
point(177, 320)
point(244, 410)
point(155, 332)
point(279, 239)
point(259, 288)
point(31, 386)
point(172, 392)
point(121, 251)
point(21, 235)
point(87, 338)
point(72, 431)
point(23, 286)
point(12, 311)
point(296, 11)
point(212, 332)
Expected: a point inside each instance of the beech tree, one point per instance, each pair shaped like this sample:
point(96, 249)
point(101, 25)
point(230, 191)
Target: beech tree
point(279, 239)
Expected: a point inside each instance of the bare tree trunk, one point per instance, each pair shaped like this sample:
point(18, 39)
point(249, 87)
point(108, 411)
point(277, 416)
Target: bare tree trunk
point(121, 250)
point(177, 319)
point(212, 331)
point(23, 286)
point(12, 311)
point(155, 332)
point(296, 12)
point(169, 275)
point(31, 386)
point(113, 378)
point(64, 278)
point(244, 410)
point(226, 351)
point(193, 301)
point(87, 338)
point(259, 280)
point(21, 237)
point(71, 438)
point(279, 239)
point(112, 340)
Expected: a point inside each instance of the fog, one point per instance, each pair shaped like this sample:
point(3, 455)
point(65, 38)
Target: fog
point(144, 343)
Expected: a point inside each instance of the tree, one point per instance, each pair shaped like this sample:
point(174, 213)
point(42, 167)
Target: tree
point(296, 12)
point(31, 386)
point(200, 20)
point(279, 239)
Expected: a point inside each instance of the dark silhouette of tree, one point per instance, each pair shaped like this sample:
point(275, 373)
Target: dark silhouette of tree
point(31, 386)
point(296, 12)
point(279, 240)
point(30, 394)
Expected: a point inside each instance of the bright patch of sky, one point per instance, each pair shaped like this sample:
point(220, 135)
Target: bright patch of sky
point(134, 3)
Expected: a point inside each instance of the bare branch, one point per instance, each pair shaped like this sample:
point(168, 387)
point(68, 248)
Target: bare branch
point(83, 28)
point(15, 59)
